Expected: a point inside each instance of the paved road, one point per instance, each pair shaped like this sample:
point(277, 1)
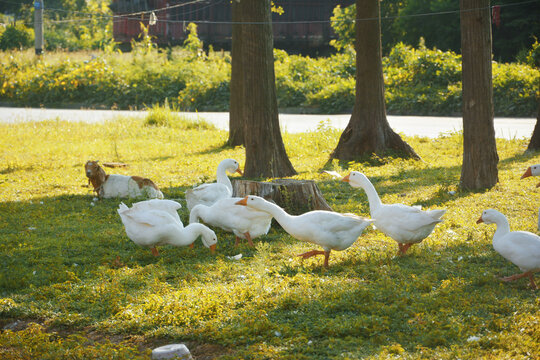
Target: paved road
point(428, 126)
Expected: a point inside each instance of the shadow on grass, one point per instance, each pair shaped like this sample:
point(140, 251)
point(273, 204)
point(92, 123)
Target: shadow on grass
point(447, 176)
point(50, 240)
point(367, 300)
point(362, 305)
point(11, 169)
point(214, 150)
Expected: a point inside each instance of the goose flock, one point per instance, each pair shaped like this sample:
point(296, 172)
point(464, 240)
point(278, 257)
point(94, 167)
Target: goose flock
point(156, 222)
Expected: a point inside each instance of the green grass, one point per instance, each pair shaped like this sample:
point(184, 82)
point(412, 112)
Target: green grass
point(68, 265)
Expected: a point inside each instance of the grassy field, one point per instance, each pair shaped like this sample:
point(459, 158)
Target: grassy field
point(72, 285)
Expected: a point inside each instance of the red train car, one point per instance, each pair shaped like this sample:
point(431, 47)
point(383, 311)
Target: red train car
point(303, 26)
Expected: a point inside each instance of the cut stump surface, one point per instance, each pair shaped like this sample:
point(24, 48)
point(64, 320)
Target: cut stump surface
point(295, 196)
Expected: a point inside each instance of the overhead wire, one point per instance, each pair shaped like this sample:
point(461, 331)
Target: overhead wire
point(133, 15)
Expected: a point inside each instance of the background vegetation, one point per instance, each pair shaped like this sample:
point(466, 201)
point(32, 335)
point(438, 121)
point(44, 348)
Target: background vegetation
point(437, 21)
point(418, 81)
point(69, 267)
point(86, 24)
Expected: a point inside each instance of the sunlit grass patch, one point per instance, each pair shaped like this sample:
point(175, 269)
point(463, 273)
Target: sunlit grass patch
point(169, 117)
point(68, 262)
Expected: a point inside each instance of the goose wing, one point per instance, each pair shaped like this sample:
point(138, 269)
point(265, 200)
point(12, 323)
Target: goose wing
point(407, 217)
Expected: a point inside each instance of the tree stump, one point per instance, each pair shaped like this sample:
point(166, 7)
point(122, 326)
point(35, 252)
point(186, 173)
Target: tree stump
point(295, 196)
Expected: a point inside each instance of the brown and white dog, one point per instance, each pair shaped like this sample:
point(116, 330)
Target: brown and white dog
point(111, 186)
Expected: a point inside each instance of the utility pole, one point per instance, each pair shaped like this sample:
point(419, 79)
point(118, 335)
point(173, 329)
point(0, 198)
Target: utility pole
point(38, 26)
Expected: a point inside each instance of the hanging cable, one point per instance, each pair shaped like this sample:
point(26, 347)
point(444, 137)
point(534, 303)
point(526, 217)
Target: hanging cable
point(130, 16)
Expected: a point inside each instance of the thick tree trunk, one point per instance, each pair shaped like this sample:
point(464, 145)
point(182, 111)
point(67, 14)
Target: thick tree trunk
point(479, 169)
point(368, 131)
point(265, 151)
point(534, 144)
point(295, 196)
point(236, 122)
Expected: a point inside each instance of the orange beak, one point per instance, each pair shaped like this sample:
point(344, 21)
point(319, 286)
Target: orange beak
point(480, 220)
point(527, 173)
point(242, 202)
point(346, 178)
point(213, 248)
point(240, 171)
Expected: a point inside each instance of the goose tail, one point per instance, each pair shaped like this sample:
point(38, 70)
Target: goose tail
point(122, 208)
point(436, 214)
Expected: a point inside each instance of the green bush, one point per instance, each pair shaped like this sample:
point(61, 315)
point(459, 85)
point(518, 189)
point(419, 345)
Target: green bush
point(418, 81)
point(422, 81)
point(16, 37)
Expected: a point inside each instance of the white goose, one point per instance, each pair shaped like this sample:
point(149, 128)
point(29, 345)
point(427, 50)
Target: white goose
point(330, 230)
point(405, 224)
point(169, 206)
point(207, 194)
point(245, 223)
point(533, 170)
point(151, 227)
point(522, 248)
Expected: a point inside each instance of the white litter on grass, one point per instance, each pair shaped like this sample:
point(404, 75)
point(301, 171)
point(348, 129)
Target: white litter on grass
point(334, 174)
point(31, 228)
point(473, 338)
point(92, 204)
point(235, 257)
point(277, 333)
point(452, 192)
point(176, 351)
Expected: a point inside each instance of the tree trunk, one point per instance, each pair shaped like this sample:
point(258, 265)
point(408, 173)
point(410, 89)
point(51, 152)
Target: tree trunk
point(479, 170)
point(295, 196)
point(368, 131)
point(534, 144)
point(265, 151)
point(236, 122)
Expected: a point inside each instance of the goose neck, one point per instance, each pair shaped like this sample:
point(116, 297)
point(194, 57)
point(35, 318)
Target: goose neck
point(222, 178)
point(195, 215)
point(373, 196)
point(503, 228)
point(185, 236)
point(281, 216)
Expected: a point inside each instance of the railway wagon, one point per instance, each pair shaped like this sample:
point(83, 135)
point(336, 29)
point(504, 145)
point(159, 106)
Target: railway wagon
point(302, 27)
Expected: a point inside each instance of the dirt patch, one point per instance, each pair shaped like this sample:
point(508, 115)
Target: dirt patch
point(209, 351)
point(144, 345)
point(17, 325)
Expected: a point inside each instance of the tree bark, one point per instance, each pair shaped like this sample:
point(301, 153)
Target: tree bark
point(479, 169)
point(265, 151)
point(368, 131)
point(236, 121)
point(295, 196)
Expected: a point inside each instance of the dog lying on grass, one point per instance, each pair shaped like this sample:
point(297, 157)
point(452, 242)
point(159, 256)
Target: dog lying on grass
point(121, 186)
